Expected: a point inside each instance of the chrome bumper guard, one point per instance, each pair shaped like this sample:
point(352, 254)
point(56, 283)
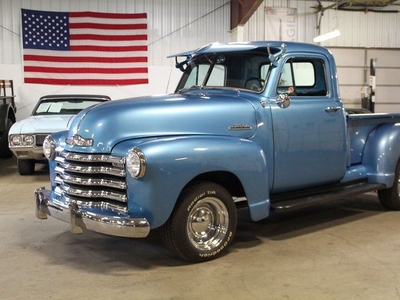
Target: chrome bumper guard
point(81, 220)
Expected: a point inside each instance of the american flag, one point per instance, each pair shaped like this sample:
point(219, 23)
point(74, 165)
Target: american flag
point(84, 48)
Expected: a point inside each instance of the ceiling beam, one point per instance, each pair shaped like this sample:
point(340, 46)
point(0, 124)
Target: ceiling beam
point(242, 10)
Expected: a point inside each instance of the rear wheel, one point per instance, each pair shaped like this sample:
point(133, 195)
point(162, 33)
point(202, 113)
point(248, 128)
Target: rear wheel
point(390, 197)
point(26, 166)
point(5, 151)
point(203, 223)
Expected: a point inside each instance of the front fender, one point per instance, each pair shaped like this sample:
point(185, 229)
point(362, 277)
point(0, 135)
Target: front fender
point(171, 163)
point(382, 153)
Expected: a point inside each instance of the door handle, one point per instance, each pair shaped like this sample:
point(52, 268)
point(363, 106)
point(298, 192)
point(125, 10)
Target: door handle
point(333, 108)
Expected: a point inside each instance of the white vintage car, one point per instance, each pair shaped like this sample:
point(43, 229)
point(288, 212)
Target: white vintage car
point(51, 114)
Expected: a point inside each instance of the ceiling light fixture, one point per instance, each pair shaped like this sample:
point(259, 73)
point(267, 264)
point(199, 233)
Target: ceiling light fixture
point(327, 36)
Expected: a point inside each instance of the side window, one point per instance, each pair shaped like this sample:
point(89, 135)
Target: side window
point(303, 78)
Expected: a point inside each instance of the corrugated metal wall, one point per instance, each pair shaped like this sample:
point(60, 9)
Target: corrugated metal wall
point(359, 29)
point(173, 25)
point(306, 21)
point(180, 25)
point(363, 29)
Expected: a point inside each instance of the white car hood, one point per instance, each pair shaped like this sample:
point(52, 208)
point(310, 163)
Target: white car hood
point(42, 124)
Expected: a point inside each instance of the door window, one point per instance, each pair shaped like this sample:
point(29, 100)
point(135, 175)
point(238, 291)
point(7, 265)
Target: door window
point(303, 78)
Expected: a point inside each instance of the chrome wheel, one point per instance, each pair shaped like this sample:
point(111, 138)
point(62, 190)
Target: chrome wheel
point(207, 224)
point(203, 223)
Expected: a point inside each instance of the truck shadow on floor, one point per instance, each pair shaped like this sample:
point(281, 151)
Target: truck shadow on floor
point(287, 225)
point(112, 255)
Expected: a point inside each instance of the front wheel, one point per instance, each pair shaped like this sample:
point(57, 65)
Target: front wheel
point(390, 198)
point(202, 224)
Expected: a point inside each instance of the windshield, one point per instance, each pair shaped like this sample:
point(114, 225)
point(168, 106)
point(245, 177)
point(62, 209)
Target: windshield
point(63, 107)
point(238, 70)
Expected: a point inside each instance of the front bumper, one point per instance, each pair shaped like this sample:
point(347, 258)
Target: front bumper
point(81, 220)
point(28, 152)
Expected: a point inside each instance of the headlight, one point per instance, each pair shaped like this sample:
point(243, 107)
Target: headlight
point(16, 140)
point(136, 163)
point(22, 140)
point(29, 140)
point(49, 147)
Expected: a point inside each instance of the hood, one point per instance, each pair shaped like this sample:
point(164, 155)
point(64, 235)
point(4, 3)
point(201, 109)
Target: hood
point(198, 112)
point(42, 124)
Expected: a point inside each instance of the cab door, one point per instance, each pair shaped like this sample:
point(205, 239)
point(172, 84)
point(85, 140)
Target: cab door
point(309, 133)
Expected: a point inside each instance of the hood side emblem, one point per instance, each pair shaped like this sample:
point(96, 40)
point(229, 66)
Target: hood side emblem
point(240, 127)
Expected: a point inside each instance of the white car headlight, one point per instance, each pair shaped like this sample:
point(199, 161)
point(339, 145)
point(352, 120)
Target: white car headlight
point(136, 163)
point(49, 147)
point(16, 140)
point(28, 140)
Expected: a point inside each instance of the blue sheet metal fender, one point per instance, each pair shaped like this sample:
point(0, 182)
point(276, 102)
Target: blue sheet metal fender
point(382, 153)
point(171, 163)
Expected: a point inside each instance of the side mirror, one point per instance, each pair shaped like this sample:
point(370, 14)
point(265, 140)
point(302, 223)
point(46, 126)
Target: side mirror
point(283, 100)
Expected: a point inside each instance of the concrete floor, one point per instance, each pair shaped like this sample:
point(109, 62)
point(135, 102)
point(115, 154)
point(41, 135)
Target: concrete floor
point(345, 250)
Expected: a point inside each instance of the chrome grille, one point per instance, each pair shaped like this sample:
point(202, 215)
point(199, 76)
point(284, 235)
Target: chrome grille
point(94, 180)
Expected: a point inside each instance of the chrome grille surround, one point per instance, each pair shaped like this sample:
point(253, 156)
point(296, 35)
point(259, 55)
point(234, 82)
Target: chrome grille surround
point(91, 180)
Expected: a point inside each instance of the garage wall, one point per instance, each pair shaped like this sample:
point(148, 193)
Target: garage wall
point(354, 69)
point(173, 26)
point(364, 36)
point(179, 25)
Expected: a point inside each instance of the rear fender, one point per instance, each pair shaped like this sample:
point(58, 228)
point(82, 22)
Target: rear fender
point(172, 163)
point(382, 153)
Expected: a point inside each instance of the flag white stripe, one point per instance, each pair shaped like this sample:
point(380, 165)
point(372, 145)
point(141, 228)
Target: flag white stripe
point(84, 65)
point(73, 20)
point(85, 76)
point(83, 53)
point(107, 43)
point(108, 31)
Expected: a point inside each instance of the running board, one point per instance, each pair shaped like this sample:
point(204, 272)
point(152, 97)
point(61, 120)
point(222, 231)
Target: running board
point(342, 192)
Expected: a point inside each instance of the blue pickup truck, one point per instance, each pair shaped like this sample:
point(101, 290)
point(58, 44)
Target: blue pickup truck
point(257, 124)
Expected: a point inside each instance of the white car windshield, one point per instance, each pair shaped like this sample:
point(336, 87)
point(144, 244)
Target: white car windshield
point(63, 107)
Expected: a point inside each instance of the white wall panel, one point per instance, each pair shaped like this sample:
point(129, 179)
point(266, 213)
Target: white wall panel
point(180, 25)
point(173, 25)
point(362, 29)
point(306, 21)
point(353, 67)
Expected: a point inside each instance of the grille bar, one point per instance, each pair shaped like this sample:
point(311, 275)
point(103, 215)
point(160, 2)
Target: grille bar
point(97, 205)
point(89, 193)
point(90, 169)
point(92, 158)
point(77, 180)
point(97, 179)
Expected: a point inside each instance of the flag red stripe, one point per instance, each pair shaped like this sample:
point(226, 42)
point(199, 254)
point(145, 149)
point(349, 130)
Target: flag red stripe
point(85, 70)
point(91, 14)
point(84, 59)
point(98, 37)
point(108, 49)
point(107, 26)
point(86, 81)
